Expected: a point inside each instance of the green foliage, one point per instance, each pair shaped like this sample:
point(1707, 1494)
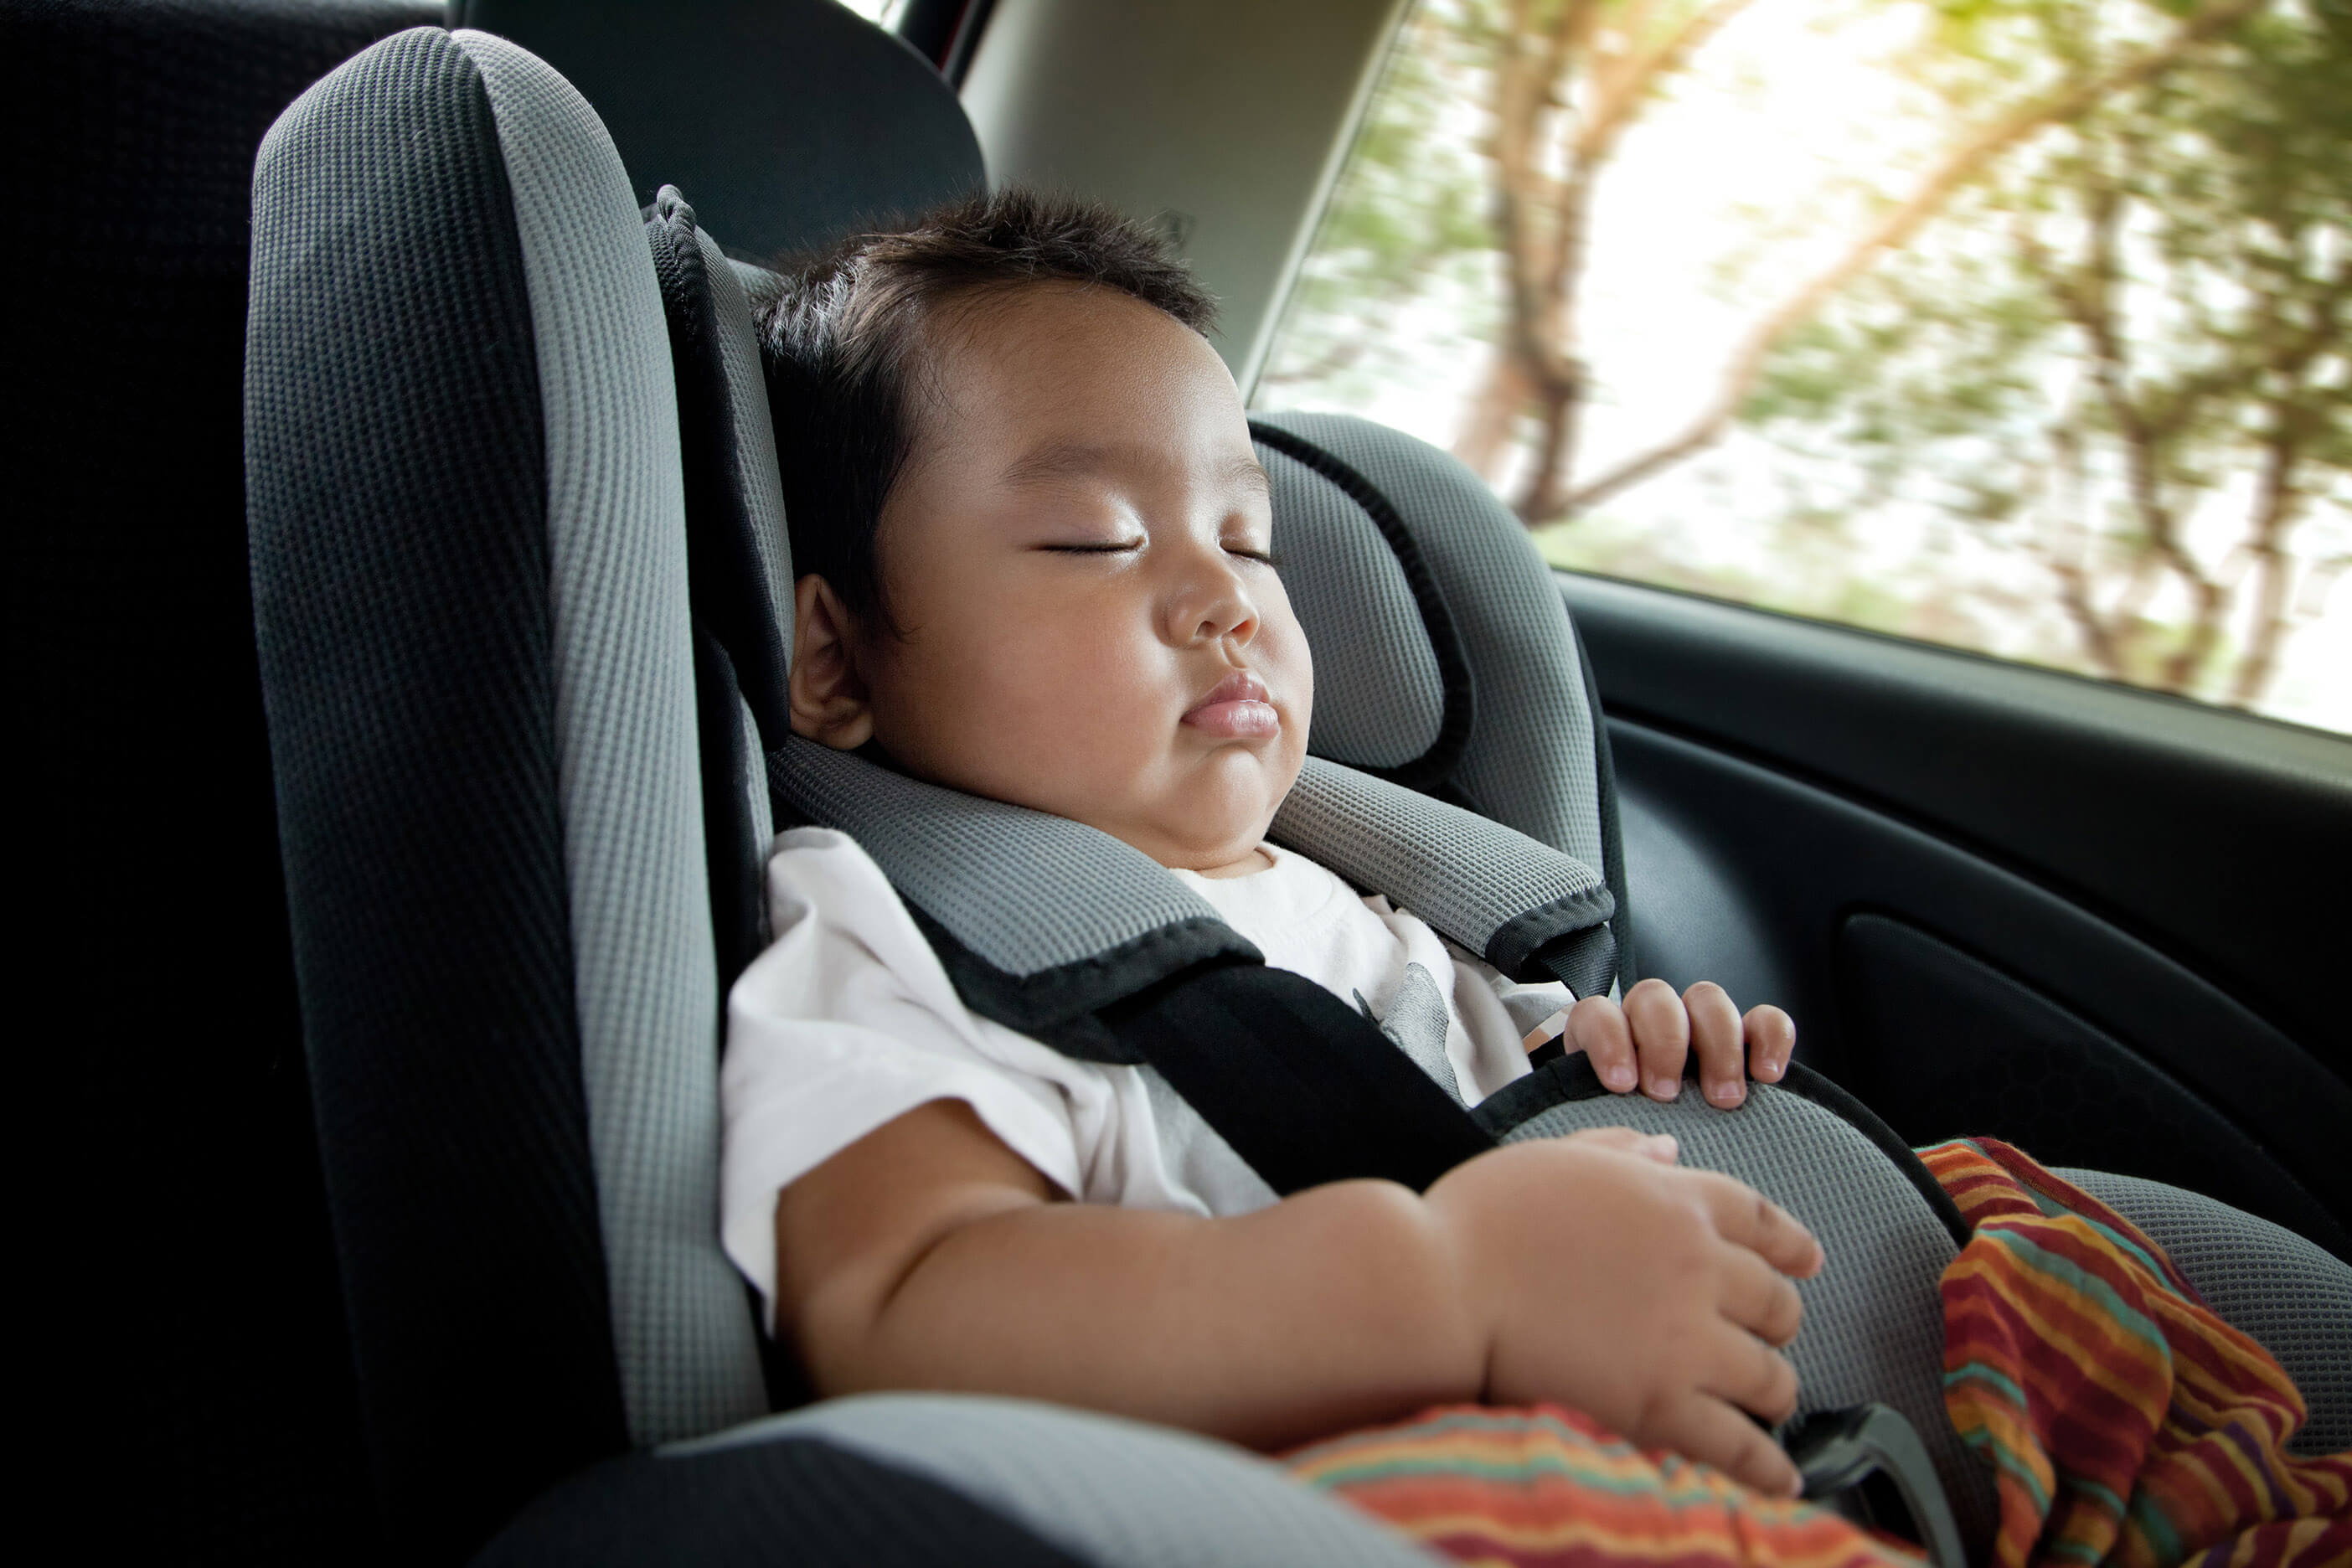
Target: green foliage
point(1409, 208)
point(2128, 317)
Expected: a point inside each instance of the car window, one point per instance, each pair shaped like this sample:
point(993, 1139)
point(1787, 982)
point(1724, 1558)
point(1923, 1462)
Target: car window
point(881, 13)
point(2015, 325)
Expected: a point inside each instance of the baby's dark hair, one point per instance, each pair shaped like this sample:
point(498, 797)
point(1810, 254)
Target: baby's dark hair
point(843, 347)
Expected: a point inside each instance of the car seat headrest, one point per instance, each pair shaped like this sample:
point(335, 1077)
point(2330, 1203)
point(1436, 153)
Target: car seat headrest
point(791, 122)
point(1444, 659)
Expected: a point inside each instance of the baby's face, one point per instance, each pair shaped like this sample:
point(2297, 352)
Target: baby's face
point(1078, 554)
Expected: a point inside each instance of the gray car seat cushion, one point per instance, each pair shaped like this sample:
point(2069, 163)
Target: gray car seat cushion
point(1529, 760)
point(1378, 698)
point(1873, 1317)
point(1116, 1493)
point(2287, 1295)
point(645, 973)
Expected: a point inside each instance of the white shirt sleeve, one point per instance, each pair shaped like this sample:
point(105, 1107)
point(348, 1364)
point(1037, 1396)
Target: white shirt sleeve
point(848, 1021)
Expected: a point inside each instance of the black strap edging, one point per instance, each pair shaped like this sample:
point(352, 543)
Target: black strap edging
point(1305, 1088)
point(1612, 838)
point(1583, 961)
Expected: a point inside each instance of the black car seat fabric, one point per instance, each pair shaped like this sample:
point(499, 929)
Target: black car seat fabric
point(1105, 1490)
point(130, 127)
point(469, 584)
point(802, 122)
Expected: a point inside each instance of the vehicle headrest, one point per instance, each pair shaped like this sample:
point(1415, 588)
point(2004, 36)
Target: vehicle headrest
point(1444, 659)
point(792, 122)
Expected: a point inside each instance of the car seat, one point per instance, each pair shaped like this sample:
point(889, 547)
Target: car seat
point(469, 568)
point(481, 683)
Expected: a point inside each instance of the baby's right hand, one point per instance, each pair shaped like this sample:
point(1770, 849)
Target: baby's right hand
point(1650, 1297)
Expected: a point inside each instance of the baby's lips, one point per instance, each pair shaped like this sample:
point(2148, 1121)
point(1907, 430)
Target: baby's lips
point(1239, 707)
point(1245, 719)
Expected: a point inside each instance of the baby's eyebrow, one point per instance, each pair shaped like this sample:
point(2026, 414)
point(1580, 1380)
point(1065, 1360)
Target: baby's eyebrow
point(1247, 473)
point(1063, 460)
point(1081, 460)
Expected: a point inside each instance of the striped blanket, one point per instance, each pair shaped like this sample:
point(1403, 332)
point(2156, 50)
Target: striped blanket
point(2125, 1423)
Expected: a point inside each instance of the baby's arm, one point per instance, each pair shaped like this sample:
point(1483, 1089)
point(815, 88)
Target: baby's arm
point(1589, 1270)
point(1643, 1044)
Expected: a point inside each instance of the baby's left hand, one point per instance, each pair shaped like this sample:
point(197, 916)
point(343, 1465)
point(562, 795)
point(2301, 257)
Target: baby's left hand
point(1643, 1042)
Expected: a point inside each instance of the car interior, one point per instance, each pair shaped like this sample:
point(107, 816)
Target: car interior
point(395, 472)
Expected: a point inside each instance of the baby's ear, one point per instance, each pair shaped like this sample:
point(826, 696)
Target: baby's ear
point(830, 703)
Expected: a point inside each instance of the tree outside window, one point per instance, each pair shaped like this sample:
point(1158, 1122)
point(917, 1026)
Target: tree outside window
point(2014, 324)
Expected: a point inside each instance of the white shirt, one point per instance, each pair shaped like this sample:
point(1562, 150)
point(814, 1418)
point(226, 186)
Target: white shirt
point(848, 1021)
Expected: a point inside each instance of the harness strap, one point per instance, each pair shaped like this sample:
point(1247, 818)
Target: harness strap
point(1305, 1087)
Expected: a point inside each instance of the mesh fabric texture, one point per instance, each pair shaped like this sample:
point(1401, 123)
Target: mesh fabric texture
point(1378, 698)
point(2291, 1296)
point(803, 1501)
point(1490, 888)
point(1026, 892)
point(630, 787)
point(1529, 762)
point(737, 559)
point(761, 486)
point(397, 512)
point(1874, 1325)
point(1113, 1493)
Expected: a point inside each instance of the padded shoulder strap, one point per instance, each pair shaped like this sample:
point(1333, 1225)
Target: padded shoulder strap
point(1532, 911)
point(1067, 935)
point(1040, 921)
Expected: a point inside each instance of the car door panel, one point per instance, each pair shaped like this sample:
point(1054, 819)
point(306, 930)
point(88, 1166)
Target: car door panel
point(1874, 834)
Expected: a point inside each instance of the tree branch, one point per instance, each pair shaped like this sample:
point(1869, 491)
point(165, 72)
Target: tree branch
point(1892, 230)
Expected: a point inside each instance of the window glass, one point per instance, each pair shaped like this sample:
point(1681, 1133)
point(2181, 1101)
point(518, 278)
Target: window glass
point(2016, 325)
point(881, 13)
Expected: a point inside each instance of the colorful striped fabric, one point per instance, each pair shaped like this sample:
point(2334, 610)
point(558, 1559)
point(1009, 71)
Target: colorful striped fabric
point(1551, 1486)
point(2126, 1424)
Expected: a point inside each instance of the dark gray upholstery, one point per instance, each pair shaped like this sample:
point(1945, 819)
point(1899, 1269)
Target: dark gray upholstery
point(1379, 698)
point(1115, 1494)
point(1530, 758)
point(629, 780)
point(787, 122)
point(2288, 1296)
point(396, 455)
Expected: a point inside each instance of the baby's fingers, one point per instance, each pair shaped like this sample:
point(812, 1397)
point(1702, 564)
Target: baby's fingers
point(1772, 1037)
point(1705, 1428)
point(1746, 1217)
point(1596, 1026)
point(1716, 1036)
point(1662, 1033)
